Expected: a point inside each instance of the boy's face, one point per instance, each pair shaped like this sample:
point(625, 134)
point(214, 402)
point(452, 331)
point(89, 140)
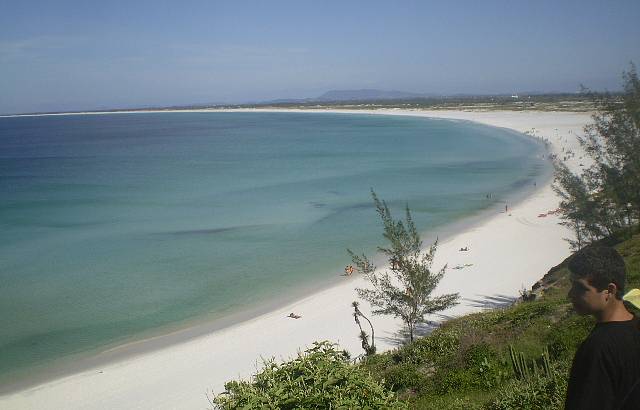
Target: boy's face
point(585, 298)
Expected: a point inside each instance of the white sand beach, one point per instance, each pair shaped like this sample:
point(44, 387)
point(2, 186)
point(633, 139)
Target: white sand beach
point(508, 251)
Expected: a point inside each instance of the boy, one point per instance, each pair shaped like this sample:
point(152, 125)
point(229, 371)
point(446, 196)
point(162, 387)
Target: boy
point(606, 368)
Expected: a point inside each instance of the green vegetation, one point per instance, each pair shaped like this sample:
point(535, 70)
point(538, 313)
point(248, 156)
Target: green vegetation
point(406, 294)
point(605, 197)
point(512, 358)
point(566, 102)
point(321, 378)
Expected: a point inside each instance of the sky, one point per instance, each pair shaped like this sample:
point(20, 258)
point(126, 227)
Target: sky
point(74, 55)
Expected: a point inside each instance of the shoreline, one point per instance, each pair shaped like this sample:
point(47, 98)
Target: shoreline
point(241, 353)
point(168, 336)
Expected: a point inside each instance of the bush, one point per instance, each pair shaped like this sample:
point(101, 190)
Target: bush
point(447, 381)
point(486, 367)
point(447, 403)
point(436, 348)
point(535, 393)
point(404, 376)
point(524, 313)
point(476, 355)
point(565, 336)
point(322, 377)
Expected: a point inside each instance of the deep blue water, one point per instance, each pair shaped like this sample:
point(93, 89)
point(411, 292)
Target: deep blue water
point(114, 225)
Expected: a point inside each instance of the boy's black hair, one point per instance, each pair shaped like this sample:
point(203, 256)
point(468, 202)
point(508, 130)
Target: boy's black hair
point(600, 265)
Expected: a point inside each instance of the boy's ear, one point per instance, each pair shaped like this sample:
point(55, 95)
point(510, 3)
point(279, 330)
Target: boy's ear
point(612, 288)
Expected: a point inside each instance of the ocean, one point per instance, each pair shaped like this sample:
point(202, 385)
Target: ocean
point(114, 227)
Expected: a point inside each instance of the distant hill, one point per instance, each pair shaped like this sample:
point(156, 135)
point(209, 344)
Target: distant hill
point(367, 94)
point(351, 95)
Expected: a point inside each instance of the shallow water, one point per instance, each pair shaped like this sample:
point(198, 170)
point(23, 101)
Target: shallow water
point(114, 225)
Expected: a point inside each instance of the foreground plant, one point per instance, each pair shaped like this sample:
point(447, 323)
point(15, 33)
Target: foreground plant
point(540, 391)
point(320, 378)
point(406, 293)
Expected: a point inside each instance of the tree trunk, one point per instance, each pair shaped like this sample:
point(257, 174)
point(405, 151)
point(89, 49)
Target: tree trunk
point(373, 335)
point(410, 325)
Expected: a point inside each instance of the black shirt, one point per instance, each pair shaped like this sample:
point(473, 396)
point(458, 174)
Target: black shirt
point(606, 368)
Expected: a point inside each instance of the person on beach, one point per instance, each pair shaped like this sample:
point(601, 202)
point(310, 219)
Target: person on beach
point(605, 373)
point(348, 270)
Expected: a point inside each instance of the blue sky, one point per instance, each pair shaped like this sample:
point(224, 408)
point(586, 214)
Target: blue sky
point(69, 55)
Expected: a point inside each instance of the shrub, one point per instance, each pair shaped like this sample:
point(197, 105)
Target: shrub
point(447, 381)
point(404, 376)
point(322, 377)
point(539, 392)
point(486, 367)
point(523, 314)
point(446, 403)
point(436, 348)
point(565, 336)
point(476, 355)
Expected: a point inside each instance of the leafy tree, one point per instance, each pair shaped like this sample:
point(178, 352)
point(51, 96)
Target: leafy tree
point(606, 196)
point(581, 209)
point(406, 292)
point(321, 378)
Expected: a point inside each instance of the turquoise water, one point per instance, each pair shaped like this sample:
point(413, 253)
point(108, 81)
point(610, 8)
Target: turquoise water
point(115, 225)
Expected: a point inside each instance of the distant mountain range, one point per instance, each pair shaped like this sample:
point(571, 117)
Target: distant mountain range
point(340, 96)
point(368, 94)
point(353, 95)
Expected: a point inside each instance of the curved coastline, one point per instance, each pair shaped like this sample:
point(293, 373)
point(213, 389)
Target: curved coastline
point(80, 355)
point(193, 341)
point(169, 335)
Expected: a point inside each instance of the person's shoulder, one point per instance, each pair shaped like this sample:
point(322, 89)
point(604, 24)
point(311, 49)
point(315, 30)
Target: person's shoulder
point(611, 334)
point(599, 338)
point(594, 342)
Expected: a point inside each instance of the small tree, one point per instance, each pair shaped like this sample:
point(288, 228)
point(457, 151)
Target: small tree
point(406, 292)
